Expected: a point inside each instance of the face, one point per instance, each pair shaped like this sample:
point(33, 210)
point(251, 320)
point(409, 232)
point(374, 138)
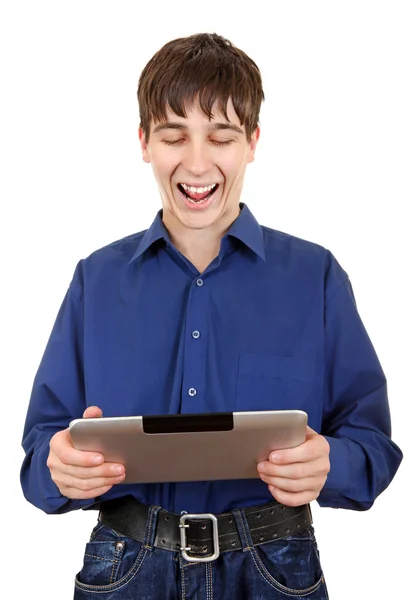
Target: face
point(199, 166)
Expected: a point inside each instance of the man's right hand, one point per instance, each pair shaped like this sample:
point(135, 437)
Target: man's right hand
point(79, 474)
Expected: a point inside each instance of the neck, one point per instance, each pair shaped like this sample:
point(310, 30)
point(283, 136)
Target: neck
point(199, 246)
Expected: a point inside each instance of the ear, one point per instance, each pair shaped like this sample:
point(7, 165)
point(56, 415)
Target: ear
point(253, 144)
point(146, 155)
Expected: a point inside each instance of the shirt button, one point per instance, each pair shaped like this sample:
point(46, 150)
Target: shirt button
point(192, 391)
point(195, 335)
point(199, 282)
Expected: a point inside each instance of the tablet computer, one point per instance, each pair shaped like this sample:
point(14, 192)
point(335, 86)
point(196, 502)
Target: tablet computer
point(199, 447)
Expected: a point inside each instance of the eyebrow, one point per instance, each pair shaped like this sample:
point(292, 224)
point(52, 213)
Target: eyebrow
point(181, 126)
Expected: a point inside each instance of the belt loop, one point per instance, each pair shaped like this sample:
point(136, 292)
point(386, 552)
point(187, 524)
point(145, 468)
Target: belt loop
point(243, 529)
point(150, 529)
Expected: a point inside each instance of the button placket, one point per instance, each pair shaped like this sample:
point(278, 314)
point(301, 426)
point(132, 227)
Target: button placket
point(194, 354)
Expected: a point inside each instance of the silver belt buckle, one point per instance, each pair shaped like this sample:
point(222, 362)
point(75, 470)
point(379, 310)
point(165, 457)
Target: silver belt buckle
point(184, 548)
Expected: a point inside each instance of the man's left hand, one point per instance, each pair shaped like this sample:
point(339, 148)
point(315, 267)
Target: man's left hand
point(296, 476)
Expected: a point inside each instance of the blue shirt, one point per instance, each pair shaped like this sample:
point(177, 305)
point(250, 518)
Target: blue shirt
point(270, 324)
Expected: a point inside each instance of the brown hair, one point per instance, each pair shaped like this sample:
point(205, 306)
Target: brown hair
point(204, 67)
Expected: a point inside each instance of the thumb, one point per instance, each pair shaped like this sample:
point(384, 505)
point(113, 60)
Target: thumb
point(310, 433)
point(92, 412)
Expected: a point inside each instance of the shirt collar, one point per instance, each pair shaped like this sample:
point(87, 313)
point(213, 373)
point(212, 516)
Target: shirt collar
point(157, 231)
point(245, 228)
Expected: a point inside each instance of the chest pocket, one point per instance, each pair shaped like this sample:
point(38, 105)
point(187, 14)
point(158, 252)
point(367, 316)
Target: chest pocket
point(267, 382)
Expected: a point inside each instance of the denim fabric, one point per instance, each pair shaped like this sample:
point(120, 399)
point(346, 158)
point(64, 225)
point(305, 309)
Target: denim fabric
point(118, 567)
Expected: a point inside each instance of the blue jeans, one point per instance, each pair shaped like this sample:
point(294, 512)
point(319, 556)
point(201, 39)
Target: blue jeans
point(118, 567)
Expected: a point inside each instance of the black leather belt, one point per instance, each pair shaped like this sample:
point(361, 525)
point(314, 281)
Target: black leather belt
point(266, 523)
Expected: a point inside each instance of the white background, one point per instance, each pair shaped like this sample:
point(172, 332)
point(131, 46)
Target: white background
point(334, 165)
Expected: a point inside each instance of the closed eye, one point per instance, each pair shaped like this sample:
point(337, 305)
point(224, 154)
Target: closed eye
point(216, 142)
point(172, 142)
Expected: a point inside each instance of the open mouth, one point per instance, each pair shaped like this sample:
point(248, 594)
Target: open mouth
point(198, 195)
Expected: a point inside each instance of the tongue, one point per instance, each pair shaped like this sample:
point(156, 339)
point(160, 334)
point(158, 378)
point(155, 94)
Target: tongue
point(195, 196)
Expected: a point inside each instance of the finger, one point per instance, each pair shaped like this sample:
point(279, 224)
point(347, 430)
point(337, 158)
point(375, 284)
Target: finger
point(93, 412)
point(318, 467)
point(314, 447)
point(292, 499)
point(85, 485)
point(310, 432)
point(75, 494)
point(108, 469)
point(309, 484)
point(298, 454)
point(63, 452)
point(69, 456)
point(80, 458)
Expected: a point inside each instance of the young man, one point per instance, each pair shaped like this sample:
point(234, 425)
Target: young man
point(207, 311)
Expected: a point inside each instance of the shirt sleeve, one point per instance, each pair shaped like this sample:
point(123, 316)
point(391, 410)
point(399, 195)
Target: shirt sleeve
point(356, 416)
point(57, 397)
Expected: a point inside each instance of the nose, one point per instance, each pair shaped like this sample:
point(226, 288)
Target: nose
point(197, 159)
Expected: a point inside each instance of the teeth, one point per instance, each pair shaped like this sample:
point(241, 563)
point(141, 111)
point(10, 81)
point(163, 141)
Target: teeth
point(199, 201)
point(198, 190)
